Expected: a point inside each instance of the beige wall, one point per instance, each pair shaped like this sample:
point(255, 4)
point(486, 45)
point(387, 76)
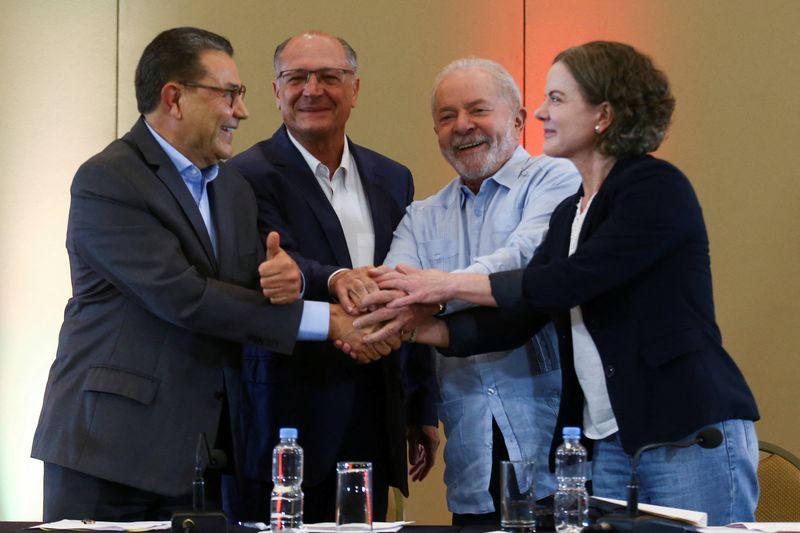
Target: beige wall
point(732, 63)
point(57, 102)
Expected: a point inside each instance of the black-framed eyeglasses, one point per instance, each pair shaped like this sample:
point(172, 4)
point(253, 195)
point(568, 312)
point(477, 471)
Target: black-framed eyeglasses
point(329, 77)
point(231, 93)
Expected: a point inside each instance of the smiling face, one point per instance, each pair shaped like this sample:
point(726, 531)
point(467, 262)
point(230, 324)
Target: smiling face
point(205, 132)
point(571, 124)
point(477, 126)
point(313, 111)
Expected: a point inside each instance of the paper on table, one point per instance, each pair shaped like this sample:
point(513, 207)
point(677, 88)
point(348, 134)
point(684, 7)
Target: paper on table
point(330, 527)
point(695, 518)
point(769, 527)
point(91, 525)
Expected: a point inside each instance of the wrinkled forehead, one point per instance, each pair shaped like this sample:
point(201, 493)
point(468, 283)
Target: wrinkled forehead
point(466, 87)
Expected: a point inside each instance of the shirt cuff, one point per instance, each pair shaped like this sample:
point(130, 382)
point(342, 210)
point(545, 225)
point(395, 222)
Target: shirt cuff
point(314, 322)
point(331, 277)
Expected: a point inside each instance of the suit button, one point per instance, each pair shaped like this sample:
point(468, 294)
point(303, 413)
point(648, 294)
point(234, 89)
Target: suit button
point(218, 395)
point(610, 371)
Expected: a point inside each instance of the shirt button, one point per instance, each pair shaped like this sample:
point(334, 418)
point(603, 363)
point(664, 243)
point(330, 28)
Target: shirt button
point(491, 391)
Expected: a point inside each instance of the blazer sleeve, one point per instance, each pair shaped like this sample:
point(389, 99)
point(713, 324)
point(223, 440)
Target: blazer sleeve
point(644, 217)
point(484, 329)
point(130, 232)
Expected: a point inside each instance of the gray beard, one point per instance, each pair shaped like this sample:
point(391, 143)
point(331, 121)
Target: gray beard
point(480, 167)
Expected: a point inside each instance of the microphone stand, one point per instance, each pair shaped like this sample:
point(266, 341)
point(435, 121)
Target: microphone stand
point(631, 520)
point(199, 520)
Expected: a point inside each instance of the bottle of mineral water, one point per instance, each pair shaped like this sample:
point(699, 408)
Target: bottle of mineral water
point(571, 505)
point(286, 502)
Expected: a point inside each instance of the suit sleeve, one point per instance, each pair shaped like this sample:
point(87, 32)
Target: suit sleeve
point(128, 235)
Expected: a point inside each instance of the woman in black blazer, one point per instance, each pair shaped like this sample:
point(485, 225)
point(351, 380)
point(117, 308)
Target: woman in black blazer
point(624, 273)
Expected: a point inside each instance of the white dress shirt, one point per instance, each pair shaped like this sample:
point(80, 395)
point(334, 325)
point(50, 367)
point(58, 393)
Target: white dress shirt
point(347, 197)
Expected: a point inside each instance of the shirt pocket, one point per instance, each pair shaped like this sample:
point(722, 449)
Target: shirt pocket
point(439, 253)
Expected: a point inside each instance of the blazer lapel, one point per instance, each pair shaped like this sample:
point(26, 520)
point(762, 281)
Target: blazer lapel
point(168, 174)
point(372, 181)
point(287, 156)
point(222, 205)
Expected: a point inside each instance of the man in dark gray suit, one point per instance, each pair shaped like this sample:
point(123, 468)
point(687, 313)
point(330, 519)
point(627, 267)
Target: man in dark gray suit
point(164, 255)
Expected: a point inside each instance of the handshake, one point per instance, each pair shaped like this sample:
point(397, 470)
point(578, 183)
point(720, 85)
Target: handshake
point(379, 307)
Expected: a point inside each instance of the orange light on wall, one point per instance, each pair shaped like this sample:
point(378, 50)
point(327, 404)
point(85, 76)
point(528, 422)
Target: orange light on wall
point(551, 26)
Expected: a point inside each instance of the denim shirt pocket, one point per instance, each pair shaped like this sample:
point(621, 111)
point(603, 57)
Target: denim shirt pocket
point(440, 253)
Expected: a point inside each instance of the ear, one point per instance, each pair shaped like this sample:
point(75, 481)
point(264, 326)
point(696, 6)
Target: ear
point(356, 86)
point(519, 120)
point(605, 116)
point(277, 94)
point(170, 99)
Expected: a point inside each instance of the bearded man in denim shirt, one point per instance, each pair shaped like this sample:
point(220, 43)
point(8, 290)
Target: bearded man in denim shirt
point(490, 218)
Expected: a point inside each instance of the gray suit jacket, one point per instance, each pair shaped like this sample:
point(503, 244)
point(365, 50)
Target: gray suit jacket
point(151, 335)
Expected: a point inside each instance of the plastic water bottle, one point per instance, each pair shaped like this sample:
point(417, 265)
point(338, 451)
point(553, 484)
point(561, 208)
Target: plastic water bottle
point(286, 502)
point(571, 505)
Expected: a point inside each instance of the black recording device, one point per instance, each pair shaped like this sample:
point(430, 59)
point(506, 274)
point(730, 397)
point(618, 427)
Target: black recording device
point(198, 520)
point(631, 520)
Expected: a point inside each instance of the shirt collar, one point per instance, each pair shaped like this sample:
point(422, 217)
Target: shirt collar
point(187, 169)
point(506, 175)
point(314, 163)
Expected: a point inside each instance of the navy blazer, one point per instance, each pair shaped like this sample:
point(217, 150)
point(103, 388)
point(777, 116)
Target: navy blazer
point(151, 335)
point(641, 275)
point(315, 389)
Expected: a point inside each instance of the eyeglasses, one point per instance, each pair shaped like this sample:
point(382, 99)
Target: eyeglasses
point(329, 77)
point(231, 94)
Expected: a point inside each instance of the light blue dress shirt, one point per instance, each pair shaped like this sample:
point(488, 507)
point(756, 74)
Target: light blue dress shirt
point(316, 315)
point(497, 229)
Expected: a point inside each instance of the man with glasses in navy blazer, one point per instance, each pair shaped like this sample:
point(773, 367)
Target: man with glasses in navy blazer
point(335, 205)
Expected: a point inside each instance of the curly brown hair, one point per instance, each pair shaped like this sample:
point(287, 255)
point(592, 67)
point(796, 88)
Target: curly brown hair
point(637, 91)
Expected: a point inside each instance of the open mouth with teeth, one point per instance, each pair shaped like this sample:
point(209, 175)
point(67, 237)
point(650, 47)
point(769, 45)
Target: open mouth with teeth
point(470, 145)
point(229, 129)
point(467, 146)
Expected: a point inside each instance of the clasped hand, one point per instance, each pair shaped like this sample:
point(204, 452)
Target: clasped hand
point(386, 312)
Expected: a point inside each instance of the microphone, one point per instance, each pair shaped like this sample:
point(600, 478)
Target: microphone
point(200, 521)
point(707, 438)
point(631, 521)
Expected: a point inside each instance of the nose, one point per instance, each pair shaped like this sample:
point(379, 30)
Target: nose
point(464, 123)
point(312, 85)
point(240, 109)
point(541, 111)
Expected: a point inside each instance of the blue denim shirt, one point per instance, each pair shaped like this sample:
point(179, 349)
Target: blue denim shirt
point(497, 229)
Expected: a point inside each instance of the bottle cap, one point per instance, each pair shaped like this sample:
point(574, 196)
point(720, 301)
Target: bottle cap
point(572, 432)
point(288, 433)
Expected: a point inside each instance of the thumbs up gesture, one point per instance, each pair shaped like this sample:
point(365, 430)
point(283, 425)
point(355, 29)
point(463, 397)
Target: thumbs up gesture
point(280, 275)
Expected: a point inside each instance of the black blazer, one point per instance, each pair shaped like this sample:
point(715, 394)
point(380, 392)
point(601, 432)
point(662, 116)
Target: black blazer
point(315, 389)
point(151, 335)
point(642, 278)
